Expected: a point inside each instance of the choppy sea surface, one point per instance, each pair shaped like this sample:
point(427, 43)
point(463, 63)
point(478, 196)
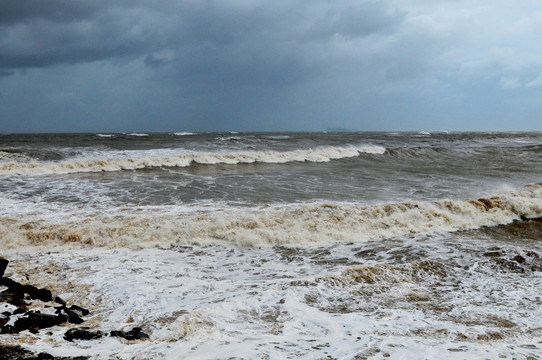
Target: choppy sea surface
point(281, 245)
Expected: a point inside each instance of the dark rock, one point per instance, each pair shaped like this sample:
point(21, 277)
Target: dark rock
point(45, 356)
point(33, 292)
point(13, 352)
point(3, 321)
point(8, 352)
point(73, 317)
point(59, 300)
point(83, 311)
point(38, 294)
point(74, 313)
point(14, 296)
point(34, 321)
point(3, 266)
point(82, 334)
point(9, 283)
point(134, 334)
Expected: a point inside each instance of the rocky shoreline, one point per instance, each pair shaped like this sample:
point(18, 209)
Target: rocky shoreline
point(8, 352)
point(18, 313)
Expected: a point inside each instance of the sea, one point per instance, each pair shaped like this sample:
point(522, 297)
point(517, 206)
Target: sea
point(321, 245)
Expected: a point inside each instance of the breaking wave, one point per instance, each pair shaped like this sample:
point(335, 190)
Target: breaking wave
point(78, 165)
point(305, 225)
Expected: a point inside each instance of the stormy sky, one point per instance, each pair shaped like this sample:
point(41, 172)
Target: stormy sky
point(269, 65)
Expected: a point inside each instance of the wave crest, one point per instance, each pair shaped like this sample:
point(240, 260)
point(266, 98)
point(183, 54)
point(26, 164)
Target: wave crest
point(304, 225)
point(78, 165)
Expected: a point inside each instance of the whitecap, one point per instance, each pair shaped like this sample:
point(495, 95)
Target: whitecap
point(299, 225)
point(184, 159)
point(184, 133)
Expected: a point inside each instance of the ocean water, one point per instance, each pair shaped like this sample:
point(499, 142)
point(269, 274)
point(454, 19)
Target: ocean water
point(281, 245)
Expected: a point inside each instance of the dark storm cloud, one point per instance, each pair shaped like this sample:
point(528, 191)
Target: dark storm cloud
point(273, 44)
point(204, 36)
point(15, 11)
point(70, 65)
point(45, 33)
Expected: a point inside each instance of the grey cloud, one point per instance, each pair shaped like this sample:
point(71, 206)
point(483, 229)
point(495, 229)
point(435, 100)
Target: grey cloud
point(43, 42)
point(15, 11)
point(45, 33)
point(154, 62)
point(6, 73)
point(264, 64)
point(276, 44)
point(357, 20)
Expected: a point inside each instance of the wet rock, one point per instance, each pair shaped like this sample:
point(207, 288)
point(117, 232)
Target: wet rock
point(82, 334)
point(45, 356)
point(79, 309)
point(38, 294)
point(14, 296)
point(34, 321)
point(72, 316)
point(19, 311)
point(59, 300)
point(3, 321)
point(134, 334)
point(33, 292)
point(74, 313)
point(8, 352)
point(10, 283)
point(3, 266)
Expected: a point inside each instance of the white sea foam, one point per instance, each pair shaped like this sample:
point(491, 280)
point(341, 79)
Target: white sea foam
point(6, 157)
point(184, 133)
point(105, 135)
point(308, 225)
point(278, 137)
point(182, 159)
point(137, 134)
point(211, 302)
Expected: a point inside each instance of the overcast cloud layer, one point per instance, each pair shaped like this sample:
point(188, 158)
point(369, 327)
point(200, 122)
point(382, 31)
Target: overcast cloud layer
point(263, 65)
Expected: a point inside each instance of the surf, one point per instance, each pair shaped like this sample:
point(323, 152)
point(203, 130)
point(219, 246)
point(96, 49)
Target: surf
point(298, 225)
point(182, 159)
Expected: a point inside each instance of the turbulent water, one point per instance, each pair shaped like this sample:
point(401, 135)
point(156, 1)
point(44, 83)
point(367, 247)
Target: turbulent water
point(282, 245)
